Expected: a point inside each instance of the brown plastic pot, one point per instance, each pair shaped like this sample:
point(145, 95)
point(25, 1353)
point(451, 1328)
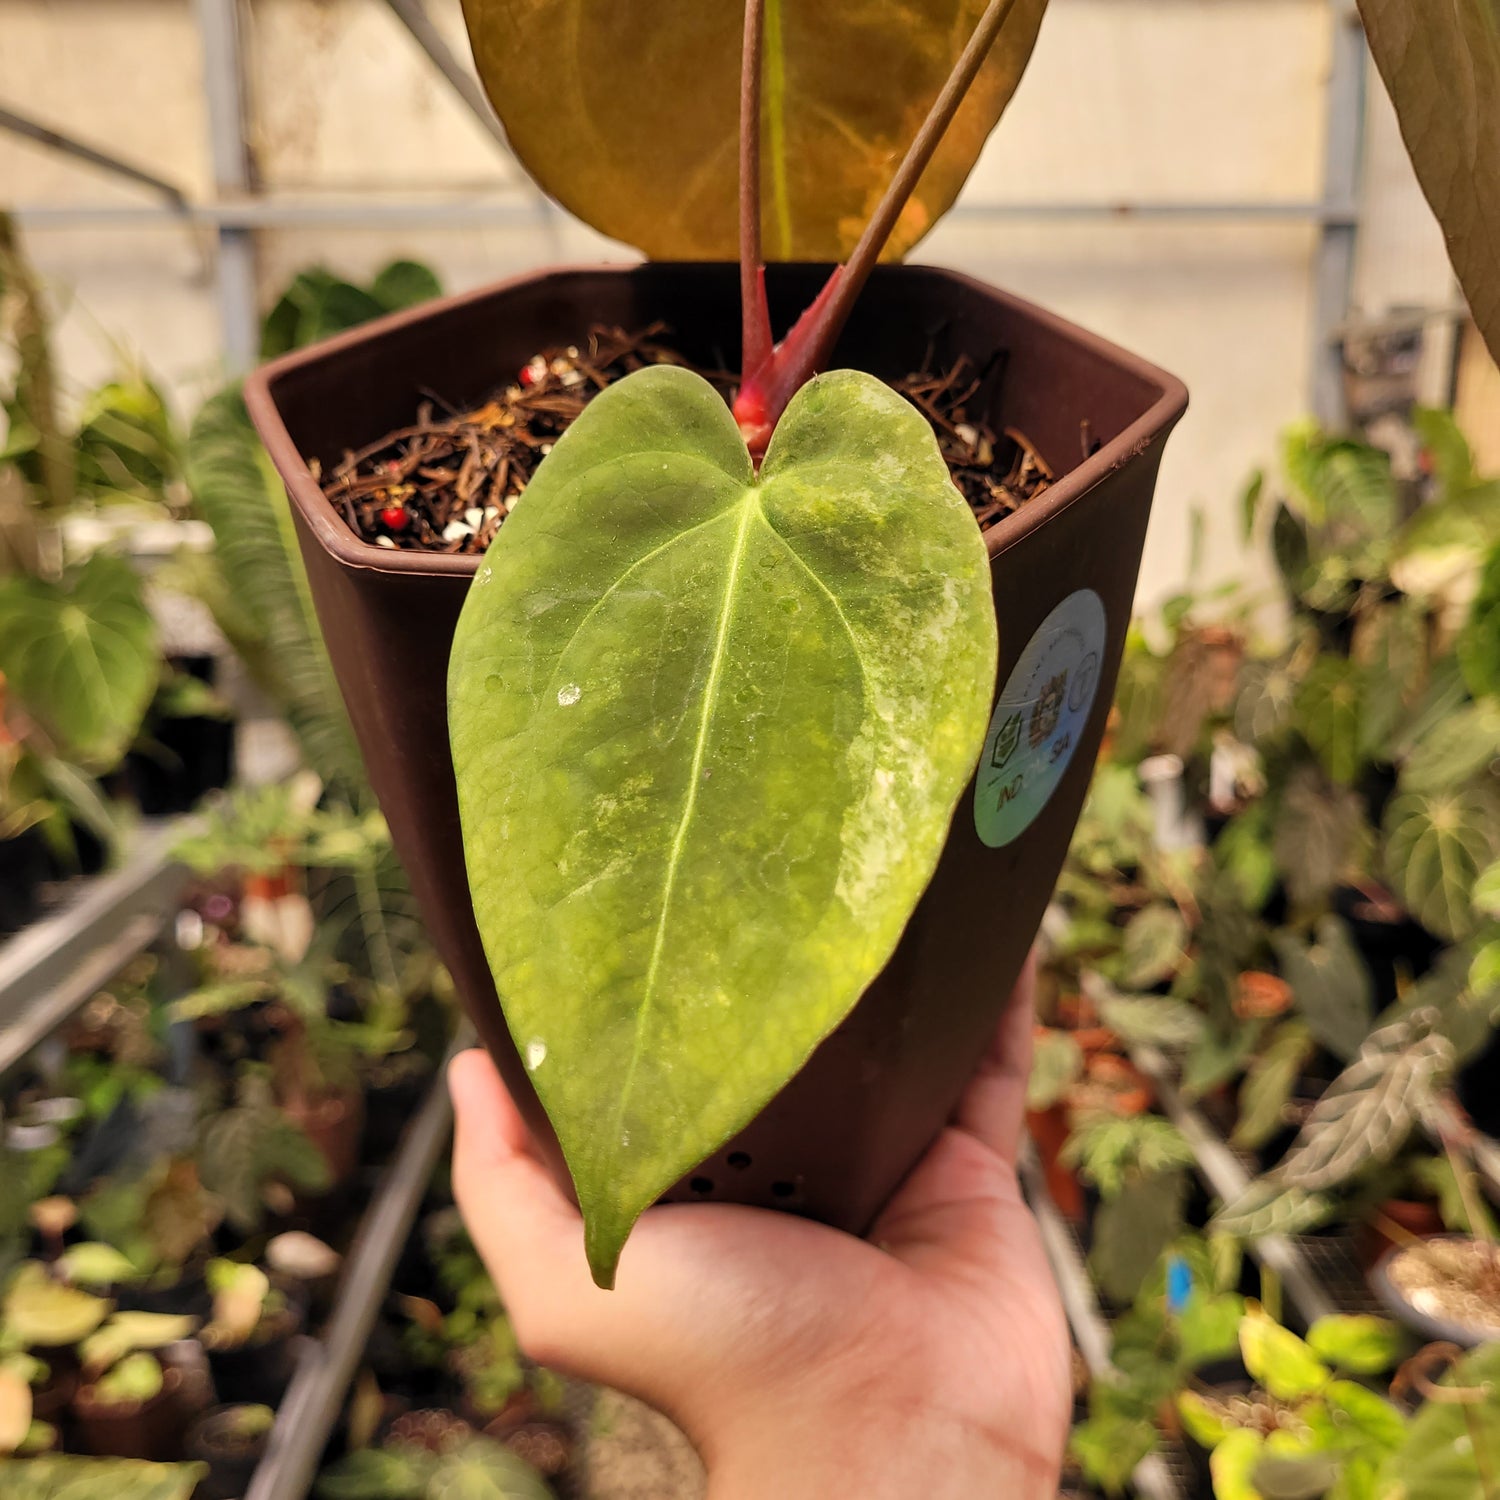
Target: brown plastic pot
point(134, 1429)
point(1049, 1130)
point(836, 1141)
point(335, 1124)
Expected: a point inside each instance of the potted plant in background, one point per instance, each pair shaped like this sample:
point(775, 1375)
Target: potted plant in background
point(230, 1440)
point(1297, 1418)
point(129, 1403)
point(250, 1339)
point(311, 409)
point(78, 646)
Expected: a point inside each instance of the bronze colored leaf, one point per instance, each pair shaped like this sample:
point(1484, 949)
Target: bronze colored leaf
point(1441, 64)
point(627, 113)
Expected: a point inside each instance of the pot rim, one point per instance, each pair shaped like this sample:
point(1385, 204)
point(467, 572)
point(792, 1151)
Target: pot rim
point(335, 537)
point(1435, 1327)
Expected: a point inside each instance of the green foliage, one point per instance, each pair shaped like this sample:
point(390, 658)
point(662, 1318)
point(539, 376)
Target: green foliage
point(271, 624)
point(157, 1220)
point(1268, 1084)
point(1109, 1151)
point(396, 1473)
point(1110, 1444)
point(1155, 945)
point(1468, 743)
point(1278, 1361)
point(42, 1313)
point(125, 1332)
point(1343, 502)
point(1436, 844)
point(1328, 714)
point(1478, 645)
point(1131, 1229)
point(808, 615)
point(1152, 1020)
point(1243, 852)
point(127, 444)
point(1266, 701)
point(1362, 1120)
point(1356, 1343)
point(1269, 1206)
point(137, 1378)
point(1155, 1352)
point(1322, 1429)
point(404, 283)
point(64, 1477)
point(1451, 1449)
point(1331, 986)
point(318, 304)
point(81, 656)
point(1434, 1176)
point(251, 1144)
point(1317, 832)
point(1056, 1065)
point(476, 1469)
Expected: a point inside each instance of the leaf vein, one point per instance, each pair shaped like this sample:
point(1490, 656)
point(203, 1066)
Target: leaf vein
point(749, 507)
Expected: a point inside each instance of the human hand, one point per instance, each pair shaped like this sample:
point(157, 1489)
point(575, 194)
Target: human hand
point(932, 1358)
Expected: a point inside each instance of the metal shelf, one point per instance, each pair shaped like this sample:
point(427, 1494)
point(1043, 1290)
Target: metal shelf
point(315, 1397)
point(51, 968)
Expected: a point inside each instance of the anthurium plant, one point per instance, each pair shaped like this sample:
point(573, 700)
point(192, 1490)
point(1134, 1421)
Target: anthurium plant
point(717, 688)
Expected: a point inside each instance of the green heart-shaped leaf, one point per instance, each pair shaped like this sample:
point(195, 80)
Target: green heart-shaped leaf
point(709, 730)
point(1436, 845)
point(81, 655)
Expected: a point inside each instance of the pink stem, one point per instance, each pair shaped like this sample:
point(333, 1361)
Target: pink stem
point(771, 382)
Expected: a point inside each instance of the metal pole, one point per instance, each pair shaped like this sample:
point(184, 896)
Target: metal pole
point(223, 84)
point(459, 210)
point(413, 15)
point(68, 145)
point(1343, 151)
point(316, 1395)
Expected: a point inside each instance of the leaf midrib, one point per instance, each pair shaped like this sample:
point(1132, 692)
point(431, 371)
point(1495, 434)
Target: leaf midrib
point(749, 508)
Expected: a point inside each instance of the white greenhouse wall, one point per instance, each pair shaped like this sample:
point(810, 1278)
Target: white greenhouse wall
point(1144, 100)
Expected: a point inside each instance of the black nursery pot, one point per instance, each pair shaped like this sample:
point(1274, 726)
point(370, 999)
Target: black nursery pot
point(215, 1440)
point(24, 864)
point(258, 1372)
point(186, 758)
point(134, 1429)
point(838, 1139)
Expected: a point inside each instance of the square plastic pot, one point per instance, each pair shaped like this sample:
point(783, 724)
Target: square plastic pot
point(837, 1140)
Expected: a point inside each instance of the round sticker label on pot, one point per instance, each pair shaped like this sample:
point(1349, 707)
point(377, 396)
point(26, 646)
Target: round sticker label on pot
point(1039, 719)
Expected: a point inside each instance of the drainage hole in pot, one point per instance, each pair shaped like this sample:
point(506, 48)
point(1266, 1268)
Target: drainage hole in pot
point(703, 1185)
point(783, 1189)
point(739, 1160)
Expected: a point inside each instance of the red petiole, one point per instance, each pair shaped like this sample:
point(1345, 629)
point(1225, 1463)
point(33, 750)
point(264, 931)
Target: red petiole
point(774, 373)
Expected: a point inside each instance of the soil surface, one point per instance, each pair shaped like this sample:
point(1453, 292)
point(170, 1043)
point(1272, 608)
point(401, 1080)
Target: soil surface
point(1455, 1280)
point(446, 482)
